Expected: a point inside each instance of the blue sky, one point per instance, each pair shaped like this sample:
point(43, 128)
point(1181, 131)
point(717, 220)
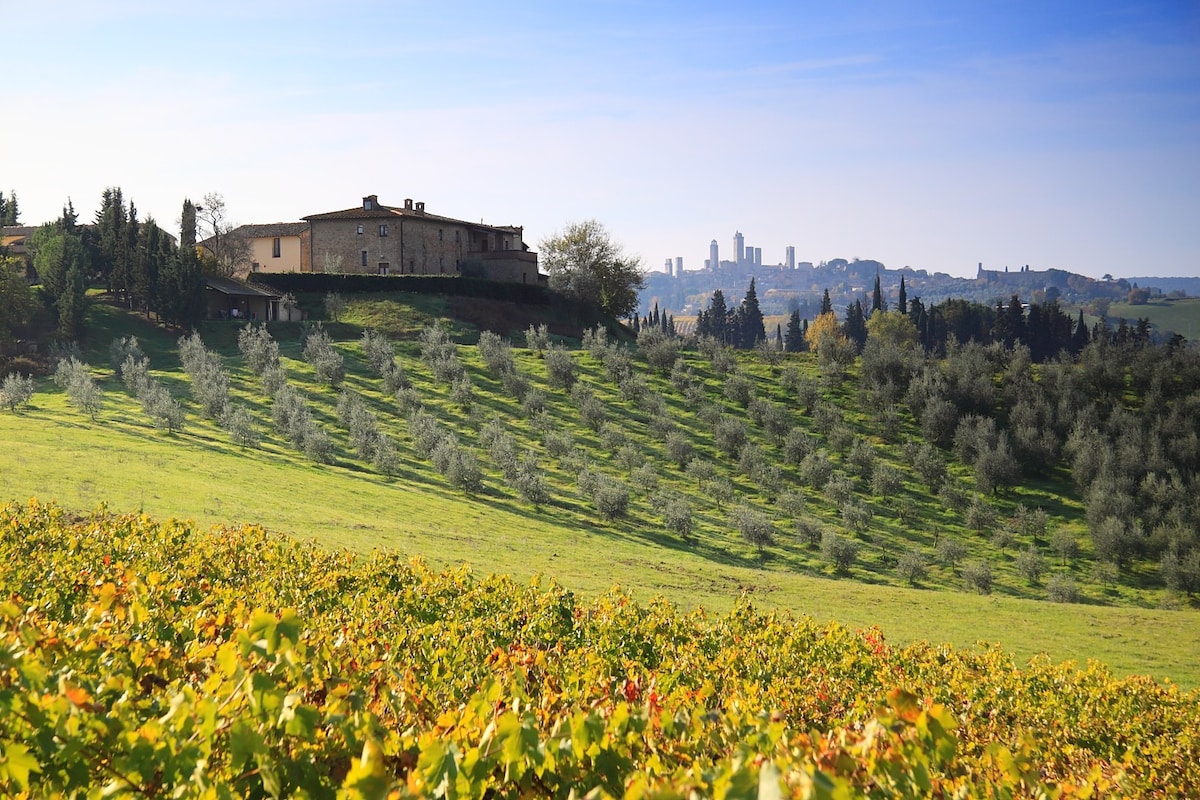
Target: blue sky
point(934, 135)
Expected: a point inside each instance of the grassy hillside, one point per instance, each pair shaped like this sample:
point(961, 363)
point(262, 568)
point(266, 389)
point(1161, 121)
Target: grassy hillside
point(52, 451)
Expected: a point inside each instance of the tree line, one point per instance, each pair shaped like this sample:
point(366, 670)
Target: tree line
point(135, 260)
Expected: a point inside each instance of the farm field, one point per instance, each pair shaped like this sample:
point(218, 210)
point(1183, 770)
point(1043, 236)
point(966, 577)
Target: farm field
point(52, 451)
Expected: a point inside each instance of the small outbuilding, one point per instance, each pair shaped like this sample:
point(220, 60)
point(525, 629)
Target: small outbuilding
point(235, 300)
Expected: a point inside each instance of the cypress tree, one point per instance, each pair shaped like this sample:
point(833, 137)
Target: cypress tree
point(903, 299)
point(826, 305)
point(752, 328)
point(1080, 338)
point(718, 317)
point(877, 303)
point(793, 342)
point(855, 326)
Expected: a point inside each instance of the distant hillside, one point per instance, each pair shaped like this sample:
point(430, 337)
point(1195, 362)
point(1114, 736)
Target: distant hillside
point(1190, 286)
point(780, 290)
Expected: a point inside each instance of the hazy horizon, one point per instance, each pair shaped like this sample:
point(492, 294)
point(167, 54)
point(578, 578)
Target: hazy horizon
point(1064, 136)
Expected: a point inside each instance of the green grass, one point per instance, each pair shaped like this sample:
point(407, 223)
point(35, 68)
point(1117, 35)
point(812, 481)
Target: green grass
point(53, 452)
point(1180, 315)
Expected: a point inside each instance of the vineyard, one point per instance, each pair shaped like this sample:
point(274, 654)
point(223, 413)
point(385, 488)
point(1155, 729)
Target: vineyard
point(148, 658)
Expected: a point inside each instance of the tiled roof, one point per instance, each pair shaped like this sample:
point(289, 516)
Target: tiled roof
point(270, 229)
point(230, 286)
point(379, 211)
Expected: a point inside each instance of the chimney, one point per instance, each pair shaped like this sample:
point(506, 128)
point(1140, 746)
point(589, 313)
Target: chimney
point(420, 207)
point(408, 204)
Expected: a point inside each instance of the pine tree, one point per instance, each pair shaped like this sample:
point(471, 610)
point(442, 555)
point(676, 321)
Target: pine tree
point(9, 213)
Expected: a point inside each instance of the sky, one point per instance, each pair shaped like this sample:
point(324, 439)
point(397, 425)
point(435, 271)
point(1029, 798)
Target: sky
point(934, 135)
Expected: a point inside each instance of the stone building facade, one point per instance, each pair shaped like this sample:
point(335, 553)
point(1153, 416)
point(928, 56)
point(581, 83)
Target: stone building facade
point(376, 239)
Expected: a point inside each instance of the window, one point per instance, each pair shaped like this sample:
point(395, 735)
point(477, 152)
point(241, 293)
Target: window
point(364, 258)
point(441, 235)
point(254, 266)
point(360, 230)
point(458, 236)
point(383, 230)
point(275, 248)
point(383, 268)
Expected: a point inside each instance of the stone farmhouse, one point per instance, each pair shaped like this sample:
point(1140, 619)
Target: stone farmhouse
point(376, 239)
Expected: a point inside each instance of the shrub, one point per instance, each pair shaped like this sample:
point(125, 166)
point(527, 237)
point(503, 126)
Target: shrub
point(860, 461)
point(701, 469)
point(210, 387)
point(592, 412)
point(790, 503)
point(1030, 564)
point(977, 575)
point(810, 531)
point(440, 354)
point(839, 490)
point(739, 389)
point(677, 517)
point(74, 376)
point(384, 457)
point(164, 410)
point(816, 469)
point(378, 350)
point(729, 435)
point(838, 550)
point(950, 552)
point(1064, 543)
point(530, 482)
point(679, 448)
point(328, 363)
point(496, 354)
point(15, 391)
point(273, 377)
point(980, 516)
point(458, 465)
point(1062, 589)
point(122, 349)
point(394, 377)
point(135, 374)
point(335, 306)
point(911, 567)
point(611, 497)
point(856, 516)
point(463, 391)
point(755, 527)
point(537, 339)
point(886, 481)
point(560, 367)
point(797, 444)
point(239, 423)
point(259, 350)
